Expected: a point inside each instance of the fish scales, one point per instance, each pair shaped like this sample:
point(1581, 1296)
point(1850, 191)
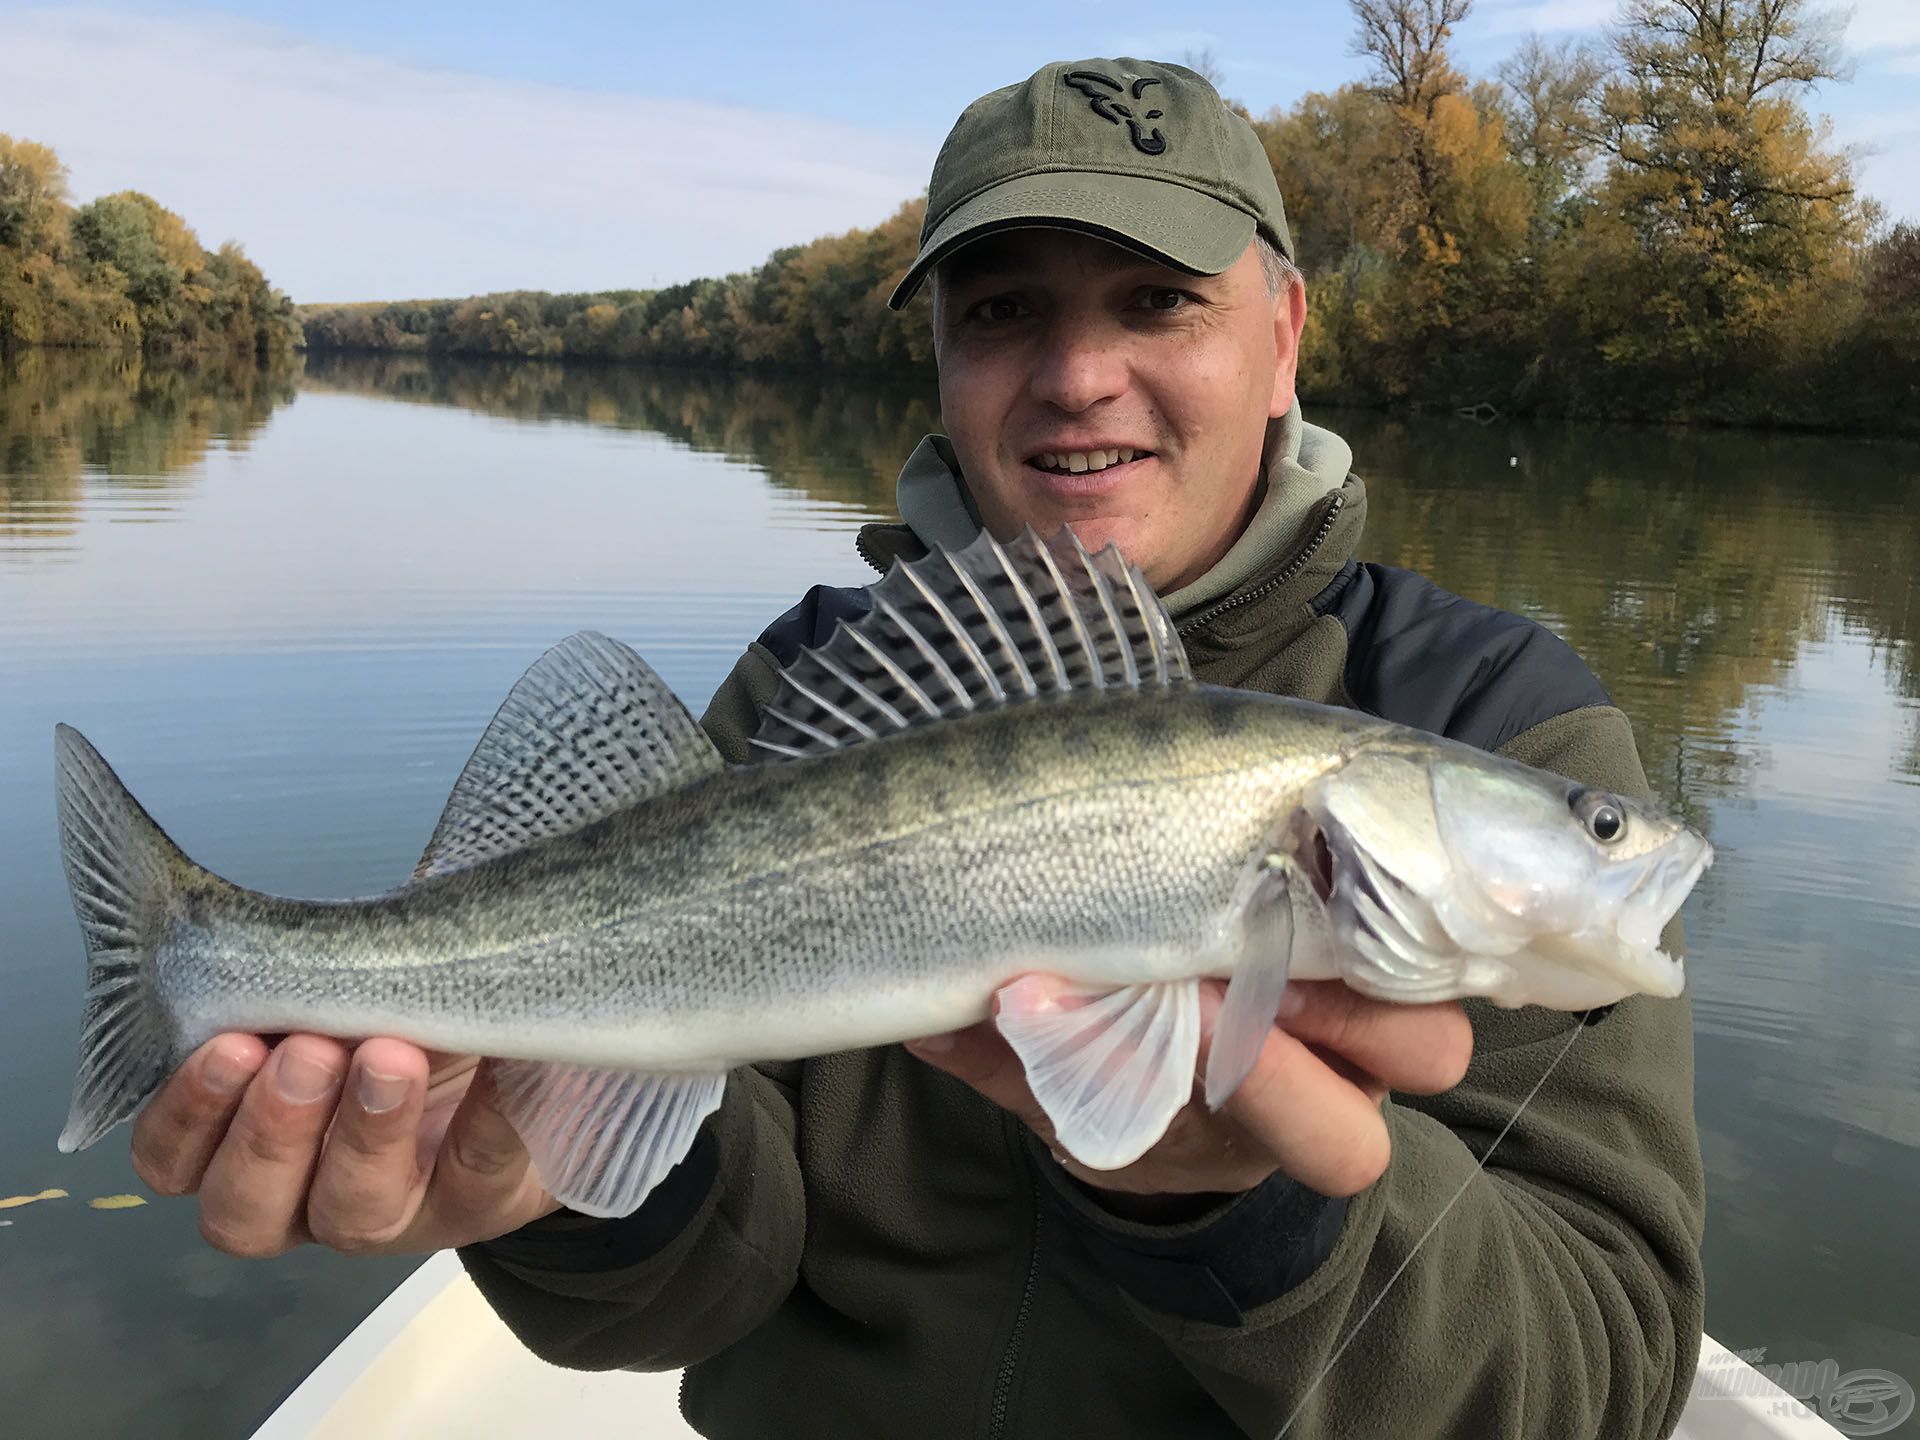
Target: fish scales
point(765, 912)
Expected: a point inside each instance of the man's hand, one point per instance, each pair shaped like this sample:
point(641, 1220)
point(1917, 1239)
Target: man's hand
point(380, 1150)
point(1310, 1107)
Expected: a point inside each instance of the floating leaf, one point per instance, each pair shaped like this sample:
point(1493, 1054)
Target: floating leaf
point(14, 1202)
point(116, 1202)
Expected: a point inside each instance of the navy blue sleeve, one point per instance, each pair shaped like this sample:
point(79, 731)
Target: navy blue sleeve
point(810, 624)
point(1422, 656)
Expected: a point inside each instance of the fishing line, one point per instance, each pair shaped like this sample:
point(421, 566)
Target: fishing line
point(1399, 1269)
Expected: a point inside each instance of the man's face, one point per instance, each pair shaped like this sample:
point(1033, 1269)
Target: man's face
point(1053, 346)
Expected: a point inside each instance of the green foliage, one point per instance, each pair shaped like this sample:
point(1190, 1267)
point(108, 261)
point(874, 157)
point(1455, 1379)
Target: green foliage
point(122, 270)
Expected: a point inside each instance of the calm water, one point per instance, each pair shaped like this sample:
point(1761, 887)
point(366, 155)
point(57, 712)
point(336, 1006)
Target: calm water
point(285, 608)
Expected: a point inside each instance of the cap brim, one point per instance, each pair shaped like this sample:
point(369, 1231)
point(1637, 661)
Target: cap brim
point(1162, 220)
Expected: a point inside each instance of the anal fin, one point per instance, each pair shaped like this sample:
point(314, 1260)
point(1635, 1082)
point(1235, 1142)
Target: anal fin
point(602, 1139)
point(1112, 1072)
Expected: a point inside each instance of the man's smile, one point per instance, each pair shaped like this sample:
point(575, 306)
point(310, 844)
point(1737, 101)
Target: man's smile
point(1081, 472)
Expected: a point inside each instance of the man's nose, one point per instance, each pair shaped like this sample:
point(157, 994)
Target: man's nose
point(1078, 364)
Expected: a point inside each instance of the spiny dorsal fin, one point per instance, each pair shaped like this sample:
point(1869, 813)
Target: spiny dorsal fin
point(959, 631)
point(589, 730)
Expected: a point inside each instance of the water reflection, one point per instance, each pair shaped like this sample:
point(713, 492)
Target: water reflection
point(1688, 567)
point(836, 440)
point(67, 415)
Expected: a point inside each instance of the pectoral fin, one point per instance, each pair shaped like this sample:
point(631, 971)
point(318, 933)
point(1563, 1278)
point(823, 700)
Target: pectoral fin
point(602, 1139)
point(1112, 1072)
point(1266, 938)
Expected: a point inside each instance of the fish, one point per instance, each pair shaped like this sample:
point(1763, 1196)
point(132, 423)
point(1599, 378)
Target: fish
point(1005, 766)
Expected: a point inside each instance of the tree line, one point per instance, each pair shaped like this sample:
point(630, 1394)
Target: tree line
point(816, 306)
point(1651, 227)
point(122, 271)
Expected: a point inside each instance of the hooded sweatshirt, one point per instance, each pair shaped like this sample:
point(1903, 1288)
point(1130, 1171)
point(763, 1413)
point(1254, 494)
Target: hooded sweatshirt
point(859, 1244)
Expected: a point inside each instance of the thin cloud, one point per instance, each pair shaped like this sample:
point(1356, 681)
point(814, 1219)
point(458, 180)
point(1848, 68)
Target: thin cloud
point(350, 176)
point(1545, 16)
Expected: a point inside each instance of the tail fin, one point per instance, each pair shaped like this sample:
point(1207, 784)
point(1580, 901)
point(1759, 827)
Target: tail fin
point(122, 869)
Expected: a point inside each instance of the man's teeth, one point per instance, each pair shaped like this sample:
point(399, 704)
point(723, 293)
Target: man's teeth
point(1078, 460)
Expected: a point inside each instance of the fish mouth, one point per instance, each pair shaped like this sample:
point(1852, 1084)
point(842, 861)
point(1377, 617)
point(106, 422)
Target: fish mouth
point(1661, 888)
point(1449, 940)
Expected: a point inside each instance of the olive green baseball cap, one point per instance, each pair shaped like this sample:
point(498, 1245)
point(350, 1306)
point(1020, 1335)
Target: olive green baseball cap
point(1141, 153)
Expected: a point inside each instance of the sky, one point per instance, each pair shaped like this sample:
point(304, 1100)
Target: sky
point(366, 151)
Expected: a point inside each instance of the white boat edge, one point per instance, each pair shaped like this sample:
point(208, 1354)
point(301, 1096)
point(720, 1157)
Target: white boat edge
point(433, 1359)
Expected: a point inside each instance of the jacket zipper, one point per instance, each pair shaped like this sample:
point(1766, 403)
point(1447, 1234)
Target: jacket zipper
point(1292, 568)
point(1016, 1340)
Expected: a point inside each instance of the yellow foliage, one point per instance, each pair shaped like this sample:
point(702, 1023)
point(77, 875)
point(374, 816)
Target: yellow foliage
point(13, 1202)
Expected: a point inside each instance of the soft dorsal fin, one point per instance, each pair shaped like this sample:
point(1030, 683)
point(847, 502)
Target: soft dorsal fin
point(588, 730)
point(959, 631)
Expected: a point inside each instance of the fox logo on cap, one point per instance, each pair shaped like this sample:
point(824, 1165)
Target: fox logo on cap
point(1026, 156)
point(1102, 90)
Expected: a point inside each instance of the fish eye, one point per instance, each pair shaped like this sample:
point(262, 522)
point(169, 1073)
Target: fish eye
point(1600, 813)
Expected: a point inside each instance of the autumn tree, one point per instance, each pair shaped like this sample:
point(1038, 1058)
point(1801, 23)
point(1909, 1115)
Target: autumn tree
point(121, 270)
point(1725, 209)
point(163, 268)
point(1408, 211)
point(33, 196)
point(45, 297)
point(1550, 98)
point(1892, 291)
point(1453, 205)
point(1653, 231)
point(244, 312)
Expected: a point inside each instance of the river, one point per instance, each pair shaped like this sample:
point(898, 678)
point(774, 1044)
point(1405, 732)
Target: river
point(284, 606)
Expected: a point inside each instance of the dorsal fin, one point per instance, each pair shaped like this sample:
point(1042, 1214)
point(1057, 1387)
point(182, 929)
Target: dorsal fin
point(959, 631)
point(588, 730)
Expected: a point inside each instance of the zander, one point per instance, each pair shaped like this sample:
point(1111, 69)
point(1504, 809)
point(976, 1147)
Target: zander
point(1004, 767)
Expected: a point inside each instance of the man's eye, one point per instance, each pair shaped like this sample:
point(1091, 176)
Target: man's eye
point(997, 308)
point(1165, 299)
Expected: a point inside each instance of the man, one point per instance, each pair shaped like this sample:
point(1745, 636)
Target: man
point(884, 1242)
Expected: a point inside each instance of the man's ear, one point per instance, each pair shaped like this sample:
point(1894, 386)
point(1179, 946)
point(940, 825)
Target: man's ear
point(1289, 319)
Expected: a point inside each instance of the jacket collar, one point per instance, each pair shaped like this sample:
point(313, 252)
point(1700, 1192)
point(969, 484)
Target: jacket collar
point(1305, 528)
